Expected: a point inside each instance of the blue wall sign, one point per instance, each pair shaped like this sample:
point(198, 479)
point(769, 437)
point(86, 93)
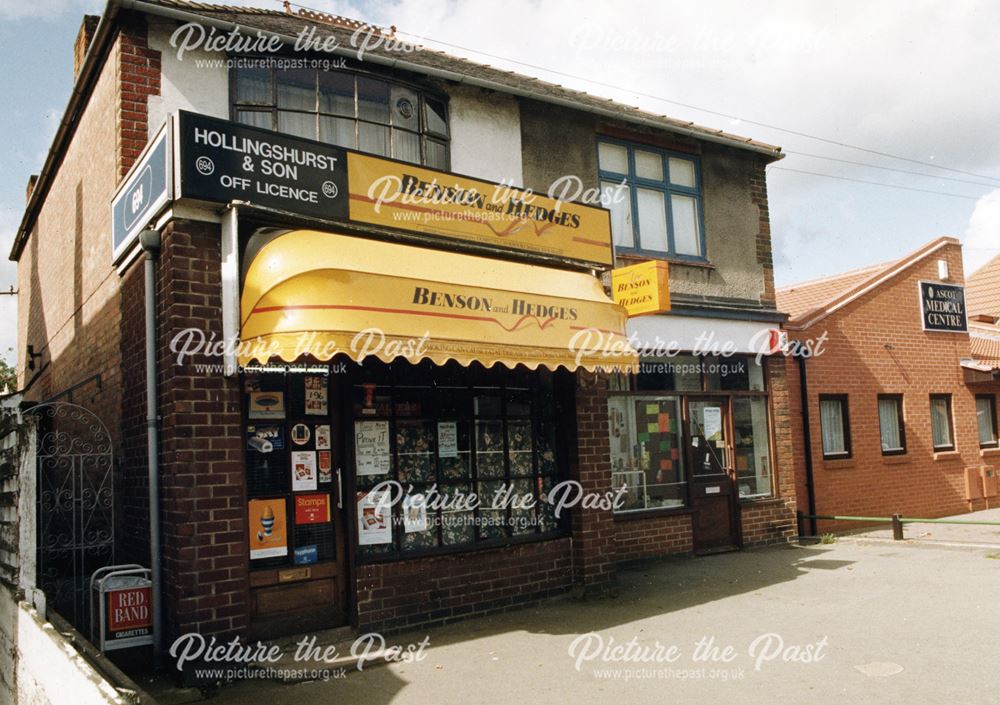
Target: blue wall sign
point(146, 189)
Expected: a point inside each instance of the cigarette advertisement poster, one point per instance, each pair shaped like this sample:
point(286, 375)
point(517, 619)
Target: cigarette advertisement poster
point(374, 518)
point(325, 466)
point(266, 405)
point(304, 473)
point(268, 528)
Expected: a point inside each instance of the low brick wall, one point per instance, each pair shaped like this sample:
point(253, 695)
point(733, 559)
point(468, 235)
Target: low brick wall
point(643, 538)
point(769, 521)
point(440, 589)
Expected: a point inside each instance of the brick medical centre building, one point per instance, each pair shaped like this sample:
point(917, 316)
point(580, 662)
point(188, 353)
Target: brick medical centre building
point(250, 194)
point(901, 406)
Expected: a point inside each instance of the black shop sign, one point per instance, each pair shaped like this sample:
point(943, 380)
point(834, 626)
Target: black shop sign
point(222, 161)
point(943, 307)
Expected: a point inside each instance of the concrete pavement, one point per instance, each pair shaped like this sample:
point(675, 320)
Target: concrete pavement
point(849, 622)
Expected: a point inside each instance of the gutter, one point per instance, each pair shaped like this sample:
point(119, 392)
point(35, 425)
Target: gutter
point(807, 442)
point(184, 15)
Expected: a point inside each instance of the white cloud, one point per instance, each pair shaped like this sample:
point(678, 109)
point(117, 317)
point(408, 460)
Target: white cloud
point(981, 241)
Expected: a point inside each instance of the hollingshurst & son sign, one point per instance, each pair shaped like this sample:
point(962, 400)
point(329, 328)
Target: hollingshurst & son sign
point(222, 161)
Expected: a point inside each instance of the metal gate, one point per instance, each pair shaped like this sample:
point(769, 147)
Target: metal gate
point(75, 506)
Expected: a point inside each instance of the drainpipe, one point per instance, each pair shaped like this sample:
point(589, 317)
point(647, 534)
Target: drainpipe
point(807, 441)
point(150, 242)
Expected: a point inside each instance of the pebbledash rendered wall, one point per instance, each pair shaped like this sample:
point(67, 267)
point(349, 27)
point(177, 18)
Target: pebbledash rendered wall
point(876, 345)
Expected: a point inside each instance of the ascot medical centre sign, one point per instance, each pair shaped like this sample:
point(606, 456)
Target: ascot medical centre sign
point(942, 307)
point(219, 161)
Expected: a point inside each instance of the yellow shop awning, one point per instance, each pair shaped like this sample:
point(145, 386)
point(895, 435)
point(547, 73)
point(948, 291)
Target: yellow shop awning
point(322, 294)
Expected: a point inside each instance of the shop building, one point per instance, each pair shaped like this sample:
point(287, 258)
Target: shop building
point(467, 346)
point(900, 389)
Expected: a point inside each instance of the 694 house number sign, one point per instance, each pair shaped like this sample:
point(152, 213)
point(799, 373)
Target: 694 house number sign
point(223, 161)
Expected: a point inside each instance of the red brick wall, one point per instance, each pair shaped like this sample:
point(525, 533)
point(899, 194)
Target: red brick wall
point(639, 538)
point(772, 520)
point(392, 596)
point(593, 530)
point(138, 79)
point(204, 507)
point(133, 489)
point(876, 345)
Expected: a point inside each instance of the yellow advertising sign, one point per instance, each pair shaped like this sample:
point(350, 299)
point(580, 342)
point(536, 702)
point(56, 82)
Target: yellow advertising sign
point(408, 197)
point(319, 294)
point(642, 288)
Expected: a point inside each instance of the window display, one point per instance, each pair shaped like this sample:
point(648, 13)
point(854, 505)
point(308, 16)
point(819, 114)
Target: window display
point(454, 432)
point(646, 451)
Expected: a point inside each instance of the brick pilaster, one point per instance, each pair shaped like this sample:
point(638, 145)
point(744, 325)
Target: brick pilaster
point(205, 562)
point(593, 529)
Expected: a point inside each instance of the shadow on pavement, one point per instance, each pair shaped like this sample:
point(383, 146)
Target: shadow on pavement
point(653, 589)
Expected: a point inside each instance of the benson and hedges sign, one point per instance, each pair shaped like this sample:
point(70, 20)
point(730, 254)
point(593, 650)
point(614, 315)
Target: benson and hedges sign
point(942, 307)
point(222, 161)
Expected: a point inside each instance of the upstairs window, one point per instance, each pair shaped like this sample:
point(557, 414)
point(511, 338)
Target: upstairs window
point(346, 109)
point(658, 211)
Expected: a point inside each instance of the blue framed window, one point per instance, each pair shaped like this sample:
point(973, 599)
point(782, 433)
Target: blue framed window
point(659, 210)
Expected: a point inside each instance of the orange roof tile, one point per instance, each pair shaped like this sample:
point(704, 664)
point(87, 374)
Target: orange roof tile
point(982, 289)
point(810, 301)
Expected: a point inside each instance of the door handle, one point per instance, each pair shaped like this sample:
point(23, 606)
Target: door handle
point(340, 491)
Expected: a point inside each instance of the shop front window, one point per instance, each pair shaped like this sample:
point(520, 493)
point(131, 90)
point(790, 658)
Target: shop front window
point(646, 457)
point(752, 447)
point(654, 454)
point(453, 432)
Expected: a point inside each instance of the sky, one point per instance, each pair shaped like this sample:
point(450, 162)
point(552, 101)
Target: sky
point(913, 80)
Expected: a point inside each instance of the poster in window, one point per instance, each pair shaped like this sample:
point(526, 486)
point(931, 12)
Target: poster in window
point(325, 466)
point(306, 555)
point(447, 439)
point(268, 528)
point(316, 401)
point(713, 423)
point(265, 439)
point(371, 447)
point(312, 508)
point(300, 434)
point(374, 518)
point(266, 405)
point(304, 473)
point(414, 513)
point(323, 437)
